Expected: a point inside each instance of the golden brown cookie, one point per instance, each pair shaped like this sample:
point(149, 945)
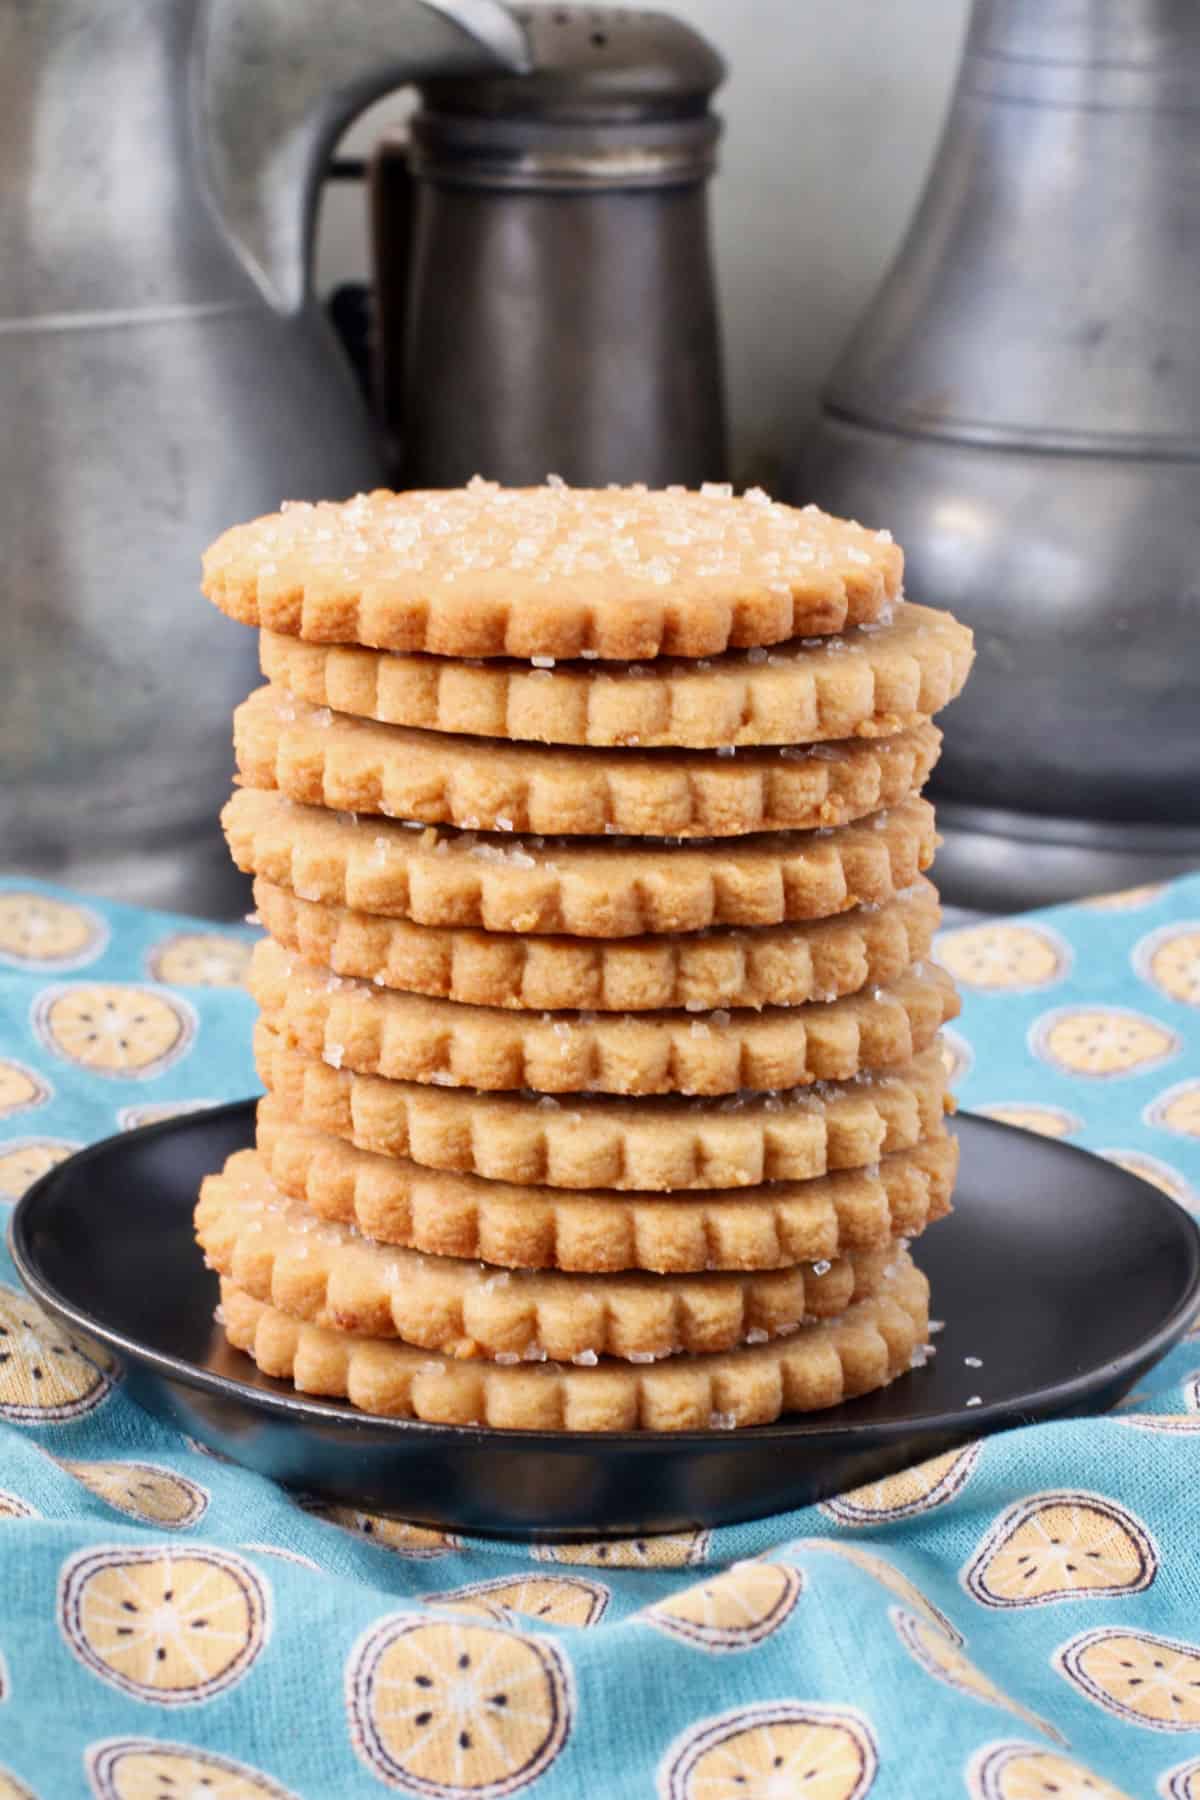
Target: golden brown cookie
point(276, 1250)
point(784, 965)
point(406, 1037)
point(395, 1201)
point(866, 683)
point(609, 889)
point(592, 1141)
point(553, 571)
point(321, 758)
point(821, 1364)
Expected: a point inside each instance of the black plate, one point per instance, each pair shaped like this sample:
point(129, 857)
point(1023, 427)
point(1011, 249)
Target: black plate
point(1067, 1276)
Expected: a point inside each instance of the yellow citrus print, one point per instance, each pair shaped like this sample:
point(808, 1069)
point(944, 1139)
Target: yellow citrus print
point(1061, 1546)
point(20, 1089)
point(778, 1750)
point(199, 959)
point(733, 1611)
point(115, 1029)
point(131, 1118)
point(1128, 899)
point(37, 932)
point(417, 1542)
point(1144, 1679)
point(1017, 958)
point(1158, 1173)
point(144, 1491)
point(670, 1550)
point(456, 1709)
point(43, 1377)
point(13, 1507)
point(1102, 1042)
point(569, 1600)
point(885, 1573)
point(1177, 1110)
point(1031, 1772)
point(1031, 1115)
point(957, 1055)
point(144, 1769)
point(1182, 1783)
point(171, 1626)
point(1172, 1424)
point(26, 1161)
point(1169, 959)
point(948, 1662)
point(914, 1490)
point(12, 1789)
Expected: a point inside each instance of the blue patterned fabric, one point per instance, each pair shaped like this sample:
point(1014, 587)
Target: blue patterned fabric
point(1019, 1619)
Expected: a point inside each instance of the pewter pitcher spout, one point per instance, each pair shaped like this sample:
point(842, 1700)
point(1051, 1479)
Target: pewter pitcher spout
point(164, 369)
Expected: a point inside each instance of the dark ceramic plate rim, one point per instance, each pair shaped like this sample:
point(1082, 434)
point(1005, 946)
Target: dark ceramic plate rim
point(1046, 1401)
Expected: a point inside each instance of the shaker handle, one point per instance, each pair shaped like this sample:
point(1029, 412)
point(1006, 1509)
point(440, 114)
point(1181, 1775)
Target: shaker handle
point(392, 199)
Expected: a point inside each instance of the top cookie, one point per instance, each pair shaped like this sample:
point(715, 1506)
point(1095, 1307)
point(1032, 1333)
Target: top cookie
point(553, 571)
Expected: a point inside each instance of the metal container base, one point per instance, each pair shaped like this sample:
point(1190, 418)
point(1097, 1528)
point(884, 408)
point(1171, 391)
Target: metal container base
point(998, 861)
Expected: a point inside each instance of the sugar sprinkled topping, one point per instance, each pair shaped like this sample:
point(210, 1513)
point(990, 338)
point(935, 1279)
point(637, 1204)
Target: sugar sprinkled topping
point(622, 537)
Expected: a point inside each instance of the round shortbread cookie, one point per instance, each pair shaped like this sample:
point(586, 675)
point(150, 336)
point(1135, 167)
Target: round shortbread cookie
point(655, 1145)
point(553, 571)
point(276, 1250)
point(394, 1201)
point(406, 1037)
point(866, 683)
point(820, 1365)
point(321, 758)
point(611, 889)
point(784, 965)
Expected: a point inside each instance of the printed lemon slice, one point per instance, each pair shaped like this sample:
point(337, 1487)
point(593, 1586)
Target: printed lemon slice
point(1172, 1424)
point(671, 1550)
point(20, 1089)
point(1130, 899)
point(171, 1626)
point(43, 1377)
point(557, 1599)
point(914, 1490)
point(448, 1709)
point(417, 1542)
point(1030, 1115)
point(130, 1118)
point(771, 1753)
point(993, 956)
point(1169, 959)
point(37, 932)
point(1148, 1680)
point(884, 1572)
point(115, 1029)
point(200, 959)
point(1158, 1173)
point(1029, 1772)
point(143, 1769)
point(958, 1058)
point(948, 1662)
point(1061, 1546)
point(27, 1160)
point(1182, 1783)
point(1102, 1041)
point(293, 1556)
point(12, 1789)
point(13, 1507)
point(732, 1611)
point(143, 1490)
point(1177, 1110)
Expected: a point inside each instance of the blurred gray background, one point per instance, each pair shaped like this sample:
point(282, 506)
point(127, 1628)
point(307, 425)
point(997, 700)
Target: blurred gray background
point(859, 87)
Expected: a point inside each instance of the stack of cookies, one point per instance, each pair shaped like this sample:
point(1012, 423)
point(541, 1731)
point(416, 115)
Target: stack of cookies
point(598, 1028)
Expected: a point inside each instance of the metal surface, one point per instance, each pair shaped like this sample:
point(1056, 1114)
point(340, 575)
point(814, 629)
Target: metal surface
point(545, 287)
point(1021, 405)
point(164, 371)
point(105, 1242)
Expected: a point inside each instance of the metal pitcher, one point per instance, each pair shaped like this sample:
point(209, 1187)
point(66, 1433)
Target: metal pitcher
point(1021, 404)
point(163, 371)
